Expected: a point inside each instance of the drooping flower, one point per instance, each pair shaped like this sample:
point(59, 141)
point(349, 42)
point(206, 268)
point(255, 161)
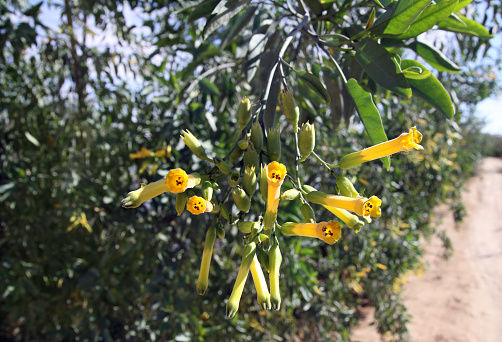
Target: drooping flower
point(263, 296)
point(362, 206)
point(198, 205)
point(275, 260)
point(404, 142)
point(276, 172)
point(351, 220)
point(329, 232)
point(235, 297)
point(205, 264)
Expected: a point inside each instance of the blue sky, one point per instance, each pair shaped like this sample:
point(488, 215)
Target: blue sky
point(488, 110)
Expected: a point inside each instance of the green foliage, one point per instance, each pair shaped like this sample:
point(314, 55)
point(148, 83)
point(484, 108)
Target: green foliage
point(76, 266)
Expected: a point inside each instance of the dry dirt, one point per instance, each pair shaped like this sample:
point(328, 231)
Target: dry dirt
point(459, 299)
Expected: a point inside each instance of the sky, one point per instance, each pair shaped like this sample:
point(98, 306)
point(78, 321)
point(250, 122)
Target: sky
point(489, 110)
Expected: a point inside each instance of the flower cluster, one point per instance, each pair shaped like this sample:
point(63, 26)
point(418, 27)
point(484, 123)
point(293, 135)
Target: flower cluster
point(239, 174)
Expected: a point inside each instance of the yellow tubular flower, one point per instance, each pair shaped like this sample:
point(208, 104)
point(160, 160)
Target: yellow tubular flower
point(351, 220)
point(404, 142)
point(329, 232)
point(275, 259)
point(263, 296)
point(235, 297)
point(137, 197)
point(362, 206)
point(176, 181)
point(276, 172)
point(205, 264)
point(198, 205)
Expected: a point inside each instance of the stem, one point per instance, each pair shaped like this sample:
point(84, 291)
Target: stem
point(326, 165)
point(340, 72)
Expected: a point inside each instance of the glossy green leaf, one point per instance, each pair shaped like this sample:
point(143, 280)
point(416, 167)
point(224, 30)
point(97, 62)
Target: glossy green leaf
point(315, 84)
point(416, 73)
point(470, 27)
point(430, 89)
point(461, 4)
point(209, 87)
point(221, 15)
point(430, 17)
point(369, 115)
point(380, 65)
point(399, 17)
point(434, 57)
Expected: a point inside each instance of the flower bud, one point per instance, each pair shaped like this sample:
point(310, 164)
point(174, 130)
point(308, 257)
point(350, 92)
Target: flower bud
point(307, 212)
point(257, 136)
point(263, 296)
point(290, 194)
point(274, 262)
point(224, 166)
point(224, 213)
point(306, 140)
point(263, 182)
point(241, 200)
point(249, 180)
point(236, 155)
point(251, 158)
point(346, 187)
point(220, 231)
point(274, 144)
point(205, 264)
point(235, 297)
point(181, 200)
point(243, 144)
point(207, 191)
point(289, 107)
point(244, 112)
point(194, 145)
point(234, 179)
point(247, 227)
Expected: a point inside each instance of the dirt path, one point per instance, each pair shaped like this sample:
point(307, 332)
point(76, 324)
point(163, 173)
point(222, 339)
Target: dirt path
point(460, 299)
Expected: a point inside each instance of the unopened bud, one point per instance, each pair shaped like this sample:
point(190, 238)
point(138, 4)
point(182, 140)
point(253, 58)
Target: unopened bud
point(257, 135)
point(181, 201)
point(289, 107)
point(249, 180)
point(346, 187)
point(307, 212)
point(290, 194)
point(243, 144)
point(306, 140)
point(274, 144)
point(247, 227)
point(263, 182)
point(207, 191)
point(251, 158)
point(241, 199)
point(224, 166)
point(235, 155)
point(244, 112)
point(194, 145)
point(234, 179)
point(274, 262)
point(203, 280)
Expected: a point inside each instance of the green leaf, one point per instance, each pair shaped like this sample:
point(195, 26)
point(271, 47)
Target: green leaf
point(313, 82)
point(430, 89)
point(238, 25)
point(399, 17)
point(416, 73)
point(369, 115)
point(221, 15)
point(430, 17)
point(381, 66)
point(209, 87)
point(462, 4)
point(434, 57)
point(470, 27)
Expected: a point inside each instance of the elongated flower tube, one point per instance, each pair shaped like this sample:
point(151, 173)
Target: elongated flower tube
point(351, 220)
point(205, 264)
point(198, 205)
point(404, 142)
point(274, 265)
point(263, 296)
point(176, 181)
point(235, 297)
point(362, 206)
point(329, 232)
point(276, 172)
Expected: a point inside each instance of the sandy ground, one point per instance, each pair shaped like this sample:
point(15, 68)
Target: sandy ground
point(459, 299)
